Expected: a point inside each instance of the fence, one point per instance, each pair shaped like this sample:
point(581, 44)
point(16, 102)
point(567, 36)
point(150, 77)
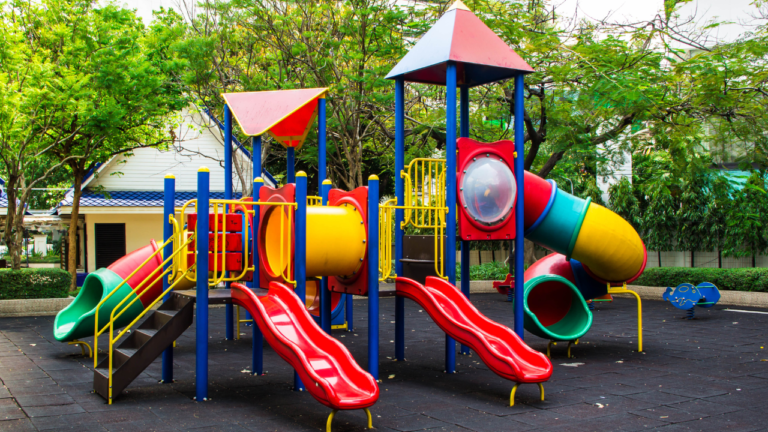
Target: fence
point(708, 259)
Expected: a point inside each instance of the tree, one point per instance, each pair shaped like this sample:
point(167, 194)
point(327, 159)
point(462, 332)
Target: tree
point(745, 233)
point(592, 191)
point(110, 89)
point(624, 202)
point(715, 215)
point(659, 222)
point(691, 230)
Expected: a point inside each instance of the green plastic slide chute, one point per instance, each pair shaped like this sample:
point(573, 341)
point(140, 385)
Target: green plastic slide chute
point(76, 321)
point(555, 317)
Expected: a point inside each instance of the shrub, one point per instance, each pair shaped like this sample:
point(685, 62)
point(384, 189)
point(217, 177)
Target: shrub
point(495, 271)
point(740, 279)
point(34, 284)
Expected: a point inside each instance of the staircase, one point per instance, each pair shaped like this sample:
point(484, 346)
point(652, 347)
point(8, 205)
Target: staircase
point(137, 351)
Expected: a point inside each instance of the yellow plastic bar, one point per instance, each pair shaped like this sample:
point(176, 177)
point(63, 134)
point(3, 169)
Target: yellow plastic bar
point(98, 306)
point(624, 290)
point(314, 201)
point(386, 222)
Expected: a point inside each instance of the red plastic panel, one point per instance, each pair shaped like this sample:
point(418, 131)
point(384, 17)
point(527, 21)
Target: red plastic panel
point(496, 345)
point(325, 366)
point(230, 223)
point(356, 284)
point(230, 242)
point(469, 151)
point(127, 264)
point(228, 261)
point(550, 302)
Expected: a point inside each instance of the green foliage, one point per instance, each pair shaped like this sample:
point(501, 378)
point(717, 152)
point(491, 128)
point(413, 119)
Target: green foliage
point(740, 279)
point(624, 202)
point(659, 222)
point(495, 271)
point(691, 229)
point(33, 284)
point(592, 191)
point(746, 222)
point(716, 213)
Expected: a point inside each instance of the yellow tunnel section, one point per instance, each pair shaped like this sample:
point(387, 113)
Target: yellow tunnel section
point(609, 246)
point(336, 240)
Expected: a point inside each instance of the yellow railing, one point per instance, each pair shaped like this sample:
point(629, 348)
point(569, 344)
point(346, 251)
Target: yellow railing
point(424, 208)
point(386, 225)
point(314, 201)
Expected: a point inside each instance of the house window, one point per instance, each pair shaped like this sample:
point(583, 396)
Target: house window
point(110, 243)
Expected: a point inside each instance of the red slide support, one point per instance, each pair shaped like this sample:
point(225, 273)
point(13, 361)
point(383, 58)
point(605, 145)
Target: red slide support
point(325, 366)
point(498, 346)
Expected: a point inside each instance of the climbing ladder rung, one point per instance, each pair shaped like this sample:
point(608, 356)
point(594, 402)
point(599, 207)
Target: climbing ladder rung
point(231, 222)
point(226, 261)
point(230, 242)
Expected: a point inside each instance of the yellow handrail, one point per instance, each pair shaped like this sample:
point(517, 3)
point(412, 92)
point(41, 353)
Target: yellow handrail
point(98, 331)
point(314, 201)
point(386, 222)
point(112, 339)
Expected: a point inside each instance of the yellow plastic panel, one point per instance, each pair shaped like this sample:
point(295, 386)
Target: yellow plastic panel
point(608, 245)
point(335, 241)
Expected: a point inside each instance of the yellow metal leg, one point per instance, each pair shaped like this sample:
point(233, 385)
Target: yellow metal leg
point(549, 346)
point(624, 290)
point(512, 395)
point(237, 320)
point(330, 419)
point(82, 345)
point(541, 391)
point(370, 418)
point(570, 343)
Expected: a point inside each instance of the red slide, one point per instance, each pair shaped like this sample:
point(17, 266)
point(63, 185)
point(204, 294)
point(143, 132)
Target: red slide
point(498, 346)
point(325, 366)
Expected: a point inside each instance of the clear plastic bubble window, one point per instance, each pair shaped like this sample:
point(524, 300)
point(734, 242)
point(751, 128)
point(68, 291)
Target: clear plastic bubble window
point(488, 190)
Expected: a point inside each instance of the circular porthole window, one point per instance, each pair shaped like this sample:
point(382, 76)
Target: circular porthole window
point(488, 190)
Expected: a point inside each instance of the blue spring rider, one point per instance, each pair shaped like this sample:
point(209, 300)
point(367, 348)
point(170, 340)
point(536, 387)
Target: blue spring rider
point(687, 297)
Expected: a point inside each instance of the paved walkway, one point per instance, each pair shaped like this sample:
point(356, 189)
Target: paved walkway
point(708, 374)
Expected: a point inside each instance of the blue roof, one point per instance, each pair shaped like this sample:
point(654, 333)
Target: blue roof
point(136, 199)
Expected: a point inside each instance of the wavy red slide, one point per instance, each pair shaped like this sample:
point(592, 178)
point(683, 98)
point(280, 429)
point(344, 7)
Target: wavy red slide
point(325, 366)
point(498, 346)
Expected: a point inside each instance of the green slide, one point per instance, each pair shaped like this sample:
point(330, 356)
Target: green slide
point(77, 320)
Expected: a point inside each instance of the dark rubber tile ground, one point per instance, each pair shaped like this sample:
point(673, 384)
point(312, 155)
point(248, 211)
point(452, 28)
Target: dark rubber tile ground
point(709, 374)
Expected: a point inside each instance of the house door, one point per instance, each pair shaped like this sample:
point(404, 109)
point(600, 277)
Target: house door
point(110, 243)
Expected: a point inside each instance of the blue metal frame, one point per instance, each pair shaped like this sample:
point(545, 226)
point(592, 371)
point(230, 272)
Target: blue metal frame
point(257, 344)
point(169, 210)
point(300, 256)
point(519, 209)
point(464, 133)
point(349, 312)
point(450, 186)
point(229, 333)
point(290, 165)
point(399, 213)
point(373, 276)
point(321, 137)
point(201, 322)
point(325, 295)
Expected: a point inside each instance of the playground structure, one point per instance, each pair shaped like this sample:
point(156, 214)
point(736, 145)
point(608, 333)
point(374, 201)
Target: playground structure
point(687, 297)
point(314, 252)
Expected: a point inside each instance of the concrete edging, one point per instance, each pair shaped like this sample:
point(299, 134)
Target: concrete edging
point(33, 307)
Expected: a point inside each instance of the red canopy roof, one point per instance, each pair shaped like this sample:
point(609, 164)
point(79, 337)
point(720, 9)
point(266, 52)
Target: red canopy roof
point(286, 114)
point(459, 36)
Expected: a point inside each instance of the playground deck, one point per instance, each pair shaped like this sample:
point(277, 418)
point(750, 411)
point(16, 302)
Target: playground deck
point(704, 374)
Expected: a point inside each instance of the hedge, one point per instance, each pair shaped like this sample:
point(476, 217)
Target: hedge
point(738, 279)
point(34, 283)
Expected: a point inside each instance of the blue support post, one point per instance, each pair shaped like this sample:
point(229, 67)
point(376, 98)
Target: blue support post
point(325, 295)
point(300, 267)
point(349, 312)
point(201, 272)
point(169, 210)
point(321, 136)
point(291, 165)
point(229, 333)
point(464, 133)
point(399, 214)
point(519, 210)
point(450, 199)
point(257, 344)
point(373, 276)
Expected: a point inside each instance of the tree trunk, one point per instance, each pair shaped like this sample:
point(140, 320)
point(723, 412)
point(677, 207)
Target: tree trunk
point(72, 264)
point(753, 261)
point(692, 259)
point(719, 258)
point(659, 253)
point(13, 226)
